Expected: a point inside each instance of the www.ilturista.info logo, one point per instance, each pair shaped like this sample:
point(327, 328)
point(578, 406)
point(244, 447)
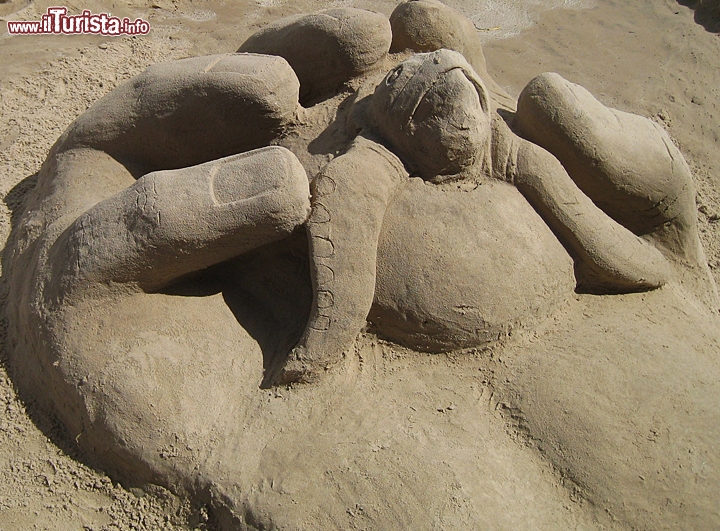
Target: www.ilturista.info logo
point(57, 22)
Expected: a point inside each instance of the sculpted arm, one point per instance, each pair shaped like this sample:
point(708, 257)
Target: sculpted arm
point(628, 264)
point(349, 200)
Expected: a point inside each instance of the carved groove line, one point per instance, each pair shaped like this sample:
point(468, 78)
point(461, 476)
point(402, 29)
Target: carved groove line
point(320, 225)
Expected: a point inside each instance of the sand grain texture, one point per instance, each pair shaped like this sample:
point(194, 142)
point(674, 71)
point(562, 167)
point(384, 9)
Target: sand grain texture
point(551, 437)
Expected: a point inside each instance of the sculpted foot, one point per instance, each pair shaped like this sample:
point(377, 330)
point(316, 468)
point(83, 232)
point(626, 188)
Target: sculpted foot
point(297, 368)
point(304, 365)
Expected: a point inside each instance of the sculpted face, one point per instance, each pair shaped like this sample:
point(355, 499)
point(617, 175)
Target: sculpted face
point(433, 111)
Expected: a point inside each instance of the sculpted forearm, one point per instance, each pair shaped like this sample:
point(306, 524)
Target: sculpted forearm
point(631, 264)
point(347, 212)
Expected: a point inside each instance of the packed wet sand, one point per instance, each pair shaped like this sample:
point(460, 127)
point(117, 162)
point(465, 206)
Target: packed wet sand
point(656, 59)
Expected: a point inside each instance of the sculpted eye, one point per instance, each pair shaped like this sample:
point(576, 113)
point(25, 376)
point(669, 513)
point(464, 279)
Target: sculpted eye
point(393, 75)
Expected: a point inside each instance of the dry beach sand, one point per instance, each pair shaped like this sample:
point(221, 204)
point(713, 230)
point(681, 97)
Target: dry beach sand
point(659, 59)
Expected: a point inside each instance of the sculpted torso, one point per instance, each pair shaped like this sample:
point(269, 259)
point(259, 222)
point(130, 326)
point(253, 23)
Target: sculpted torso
point(199, 234)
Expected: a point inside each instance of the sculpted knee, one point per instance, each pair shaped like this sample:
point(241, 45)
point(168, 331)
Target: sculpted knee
point(327, 48)
point(625, 163)
point(191, 111)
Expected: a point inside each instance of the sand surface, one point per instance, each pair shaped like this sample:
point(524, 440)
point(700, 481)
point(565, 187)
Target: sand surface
point(656, 59)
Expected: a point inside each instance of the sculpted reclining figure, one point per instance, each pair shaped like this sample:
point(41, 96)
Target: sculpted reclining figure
point(432, 209)
point(433, 112)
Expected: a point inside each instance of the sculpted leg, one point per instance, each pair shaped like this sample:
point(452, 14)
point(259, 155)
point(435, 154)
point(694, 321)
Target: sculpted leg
point(170, 223)
point(625, 163)
point(349, 201)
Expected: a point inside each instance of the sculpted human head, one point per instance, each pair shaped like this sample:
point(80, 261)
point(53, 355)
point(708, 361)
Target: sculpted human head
point(432, 110)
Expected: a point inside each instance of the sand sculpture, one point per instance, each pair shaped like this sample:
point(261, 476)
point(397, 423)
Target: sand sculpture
point(264, 207)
